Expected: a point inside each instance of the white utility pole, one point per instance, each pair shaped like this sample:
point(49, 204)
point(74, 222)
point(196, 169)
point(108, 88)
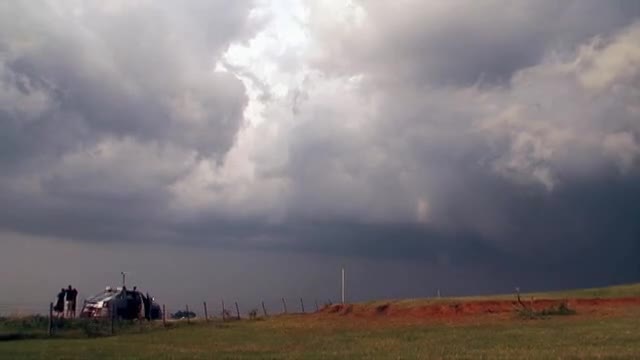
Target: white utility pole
point(342, 285)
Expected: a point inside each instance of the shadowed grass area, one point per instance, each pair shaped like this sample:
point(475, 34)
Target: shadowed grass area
point(23, 327)
point(37, 327)
point(295, 337)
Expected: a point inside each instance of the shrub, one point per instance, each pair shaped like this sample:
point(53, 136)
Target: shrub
point(226, 314)
point(253, 314)
point(94, 328)
point(180, 314)
point(560, 310)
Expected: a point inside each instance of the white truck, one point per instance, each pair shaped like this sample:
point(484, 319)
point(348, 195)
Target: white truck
point(126, 304)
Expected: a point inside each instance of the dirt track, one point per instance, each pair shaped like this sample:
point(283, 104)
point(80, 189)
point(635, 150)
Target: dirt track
point(461, 309)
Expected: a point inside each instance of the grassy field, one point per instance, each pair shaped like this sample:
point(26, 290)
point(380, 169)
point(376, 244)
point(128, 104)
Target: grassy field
point(617, 291)
point(328, 336)
point(294, 337)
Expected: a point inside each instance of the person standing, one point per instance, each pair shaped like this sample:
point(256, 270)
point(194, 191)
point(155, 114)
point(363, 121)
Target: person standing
point(137, 300)
point(74, 298)
point(59, 308)
point(146, 300)
point(68, 297)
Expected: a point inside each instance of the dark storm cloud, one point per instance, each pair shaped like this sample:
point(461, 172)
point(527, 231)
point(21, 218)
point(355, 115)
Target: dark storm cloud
point(481, 135)
point(526, 160)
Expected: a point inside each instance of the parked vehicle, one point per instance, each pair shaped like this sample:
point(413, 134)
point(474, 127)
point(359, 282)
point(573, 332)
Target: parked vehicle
point(127, 304)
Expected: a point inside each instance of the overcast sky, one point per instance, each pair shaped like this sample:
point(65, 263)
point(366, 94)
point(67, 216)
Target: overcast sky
point(247, 149)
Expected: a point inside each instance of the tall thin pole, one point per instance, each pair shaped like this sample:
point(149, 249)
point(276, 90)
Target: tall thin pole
point(343, 285)
point(124, 274)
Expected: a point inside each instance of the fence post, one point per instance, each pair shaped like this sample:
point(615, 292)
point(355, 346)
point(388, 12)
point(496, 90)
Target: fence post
point(237, 310)
point(302, 305)
point(206, 314)
point(188, 320)
point(223, 311)
point(284, 305)
point(50, 319)
point(113, 314)
point(164, 316)
point(317, 308)
point(264, 309)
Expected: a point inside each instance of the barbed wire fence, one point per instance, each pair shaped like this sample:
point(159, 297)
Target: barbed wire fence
point(31, 320)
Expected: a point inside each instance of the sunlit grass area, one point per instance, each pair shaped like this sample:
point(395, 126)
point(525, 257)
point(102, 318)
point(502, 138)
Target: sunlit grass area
point(295, 337)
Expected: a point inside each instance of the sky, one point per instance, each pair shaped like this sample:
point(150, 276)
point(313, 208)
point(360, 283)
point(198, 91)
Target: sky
point(247, 150)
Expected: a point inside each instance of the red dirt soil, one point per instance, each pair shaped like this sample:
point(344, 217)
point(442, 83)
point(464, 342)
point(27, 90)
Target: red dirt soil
point(460, 309)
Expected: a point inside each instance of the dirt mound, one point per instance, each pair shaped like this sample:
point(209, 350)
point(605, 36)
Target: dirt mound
point(458, 309)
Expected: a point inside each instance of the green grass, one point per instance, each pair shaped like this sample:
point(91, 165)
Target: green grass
point(629, 290)
point(295, 337)
point(617, 291)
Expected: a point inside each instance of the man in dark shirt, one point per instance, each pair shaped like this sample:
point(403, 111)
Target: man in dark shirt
point(74, 298)
point(146, 301)
point(71, 295)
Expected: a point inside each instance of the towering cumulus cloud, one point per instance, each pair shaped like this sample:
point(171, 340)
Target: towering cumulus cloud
point(105, 105)
point(494, 134)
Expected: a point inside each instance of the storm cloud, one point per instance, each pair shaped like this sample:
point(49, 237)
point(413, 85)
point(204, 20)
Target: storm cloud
point(498, 137)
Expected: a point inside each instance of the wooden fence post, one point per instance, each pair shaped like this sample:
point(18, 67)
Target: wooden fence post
point(237, 311)
point(264, 309)
point(317, 308)
point(188, 320)
point(164, 316)
point(223, 311)
point(50, 319)
point(284, 305)
point(302, 305)
point(206, 314)
point(113, 316)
